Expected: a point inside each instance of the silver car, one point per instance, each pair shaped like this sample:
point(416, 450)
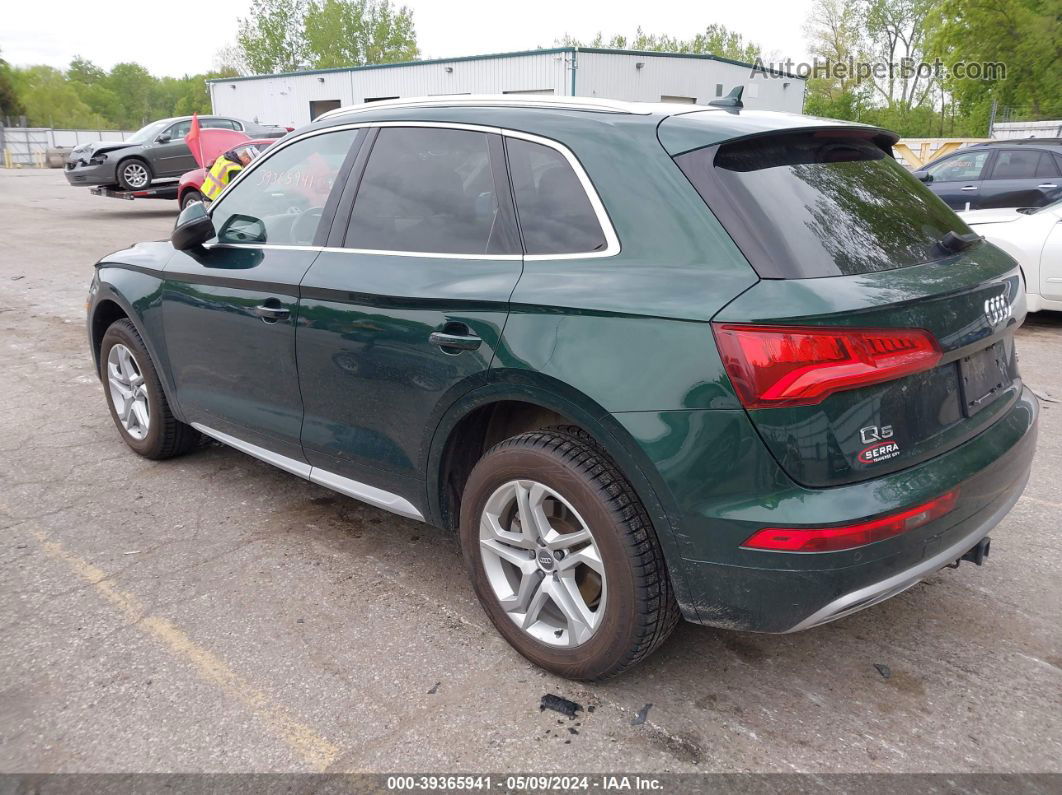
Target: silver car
point(157, 151)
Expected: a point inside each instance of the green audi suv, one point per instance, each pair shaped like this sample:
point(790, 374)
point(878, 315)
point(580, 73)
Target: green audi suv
point(648, 361)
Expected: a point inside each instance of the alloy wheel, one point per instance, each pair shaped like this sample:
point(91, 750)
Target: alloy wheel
point(128, 391)
point(135, 175)
point(542, 563)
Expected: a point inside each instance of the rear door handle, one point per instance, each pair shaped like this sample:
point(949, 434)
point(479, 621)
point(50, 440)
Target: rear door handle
point(1047, 185)
point(970, 187)
point(456, 342)
point(271, 314)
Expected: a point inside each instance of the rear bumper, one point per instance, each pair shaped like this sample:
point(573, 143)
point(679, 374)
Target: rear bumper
point(722, 486)
point(877, 592)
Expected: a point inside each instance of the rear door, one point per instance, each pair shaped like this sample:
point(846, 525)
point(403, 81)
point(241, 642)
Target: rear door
point(1021, 177)
point(403, 311)
point(957, 179)
point(867, 346)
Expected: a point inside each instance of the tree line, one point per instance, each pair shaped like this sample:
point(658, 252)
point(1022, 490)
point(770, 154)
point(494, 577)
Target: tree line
point(290, 35)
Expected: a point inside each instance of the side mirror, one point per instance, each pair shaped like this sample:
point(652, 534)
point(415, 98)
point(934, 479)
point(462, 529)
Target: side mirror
point(163, 138)
point(193, 227)
point(925, 176)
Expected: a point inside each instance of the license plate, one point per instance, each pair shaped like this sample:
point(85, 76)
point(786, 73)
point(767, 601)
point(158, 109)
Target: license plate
point(982, 376)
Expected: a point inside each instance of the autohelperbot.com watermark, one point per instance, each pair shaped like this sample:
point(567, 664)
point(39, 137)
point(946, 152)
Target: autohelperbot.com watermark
point(903, 69)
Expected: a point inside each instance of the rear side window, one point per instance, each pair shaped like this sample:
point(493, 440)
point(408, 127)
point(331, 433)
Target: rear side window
point(428, 190)
point(1023, 164)
point(556, 216)
point(806, 205)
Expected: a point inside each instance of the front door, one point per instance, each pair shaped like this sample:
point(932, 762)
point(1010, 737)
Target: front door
point(229, 310)
point(957, 179)
point(170, 155)
point(404, 310)
point(1051, 256)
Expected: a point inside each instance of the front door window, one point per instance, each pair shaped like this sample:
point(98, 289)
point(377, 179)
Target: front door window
point(281, 199)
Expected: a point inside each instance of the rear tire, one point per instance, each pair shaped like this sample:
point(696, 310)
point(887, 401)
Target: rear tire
point(134, 395)
point(191, 197)
point(623, 606)
point(134, 174)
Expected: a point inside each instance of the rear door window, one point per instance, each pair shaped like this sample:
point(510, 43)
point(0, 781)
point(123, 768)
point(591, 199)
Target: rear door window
point(825, 203)
point(556, 216)
point(428, 190)
point(1022, 164)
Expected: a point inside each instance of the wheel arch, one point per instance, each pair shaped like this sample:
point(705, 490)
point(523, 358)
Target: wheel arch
point(110, 305)
point(517, 401)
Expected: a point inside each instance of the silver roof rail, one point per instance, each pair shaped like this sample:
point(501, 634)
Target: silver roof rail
point(499, 101)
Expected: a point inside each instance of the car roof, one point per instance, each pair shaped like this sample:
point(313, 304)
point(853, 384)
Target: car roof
point(688, 126)
point(1048, 142)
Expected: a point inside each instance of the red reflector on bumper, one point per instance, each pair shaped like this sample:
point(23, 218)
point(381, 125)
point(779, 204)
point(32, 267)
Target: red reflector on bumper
point(832, 539)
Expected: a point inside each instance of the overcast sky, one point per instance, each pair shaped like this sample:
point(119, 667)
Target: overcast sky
point(183, 36)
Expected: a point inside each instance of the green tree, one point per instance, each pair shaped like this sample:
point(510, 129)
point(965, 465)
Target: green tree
point(82, 70)
point(1024, 35)
point(273, 36)
point(10, 104)
point(91, 84)
point(713, 40)
point(135, 89)
point(357, 32)
point(834, 32)
point(50, 100)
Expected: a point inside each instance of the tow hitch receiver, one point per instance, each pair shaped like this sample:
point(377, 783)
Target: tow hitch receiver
point(976, 554)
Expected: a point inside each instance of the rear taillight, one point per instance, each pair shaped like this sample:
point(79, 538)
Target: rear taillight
point(799, 366)
point(832, 539)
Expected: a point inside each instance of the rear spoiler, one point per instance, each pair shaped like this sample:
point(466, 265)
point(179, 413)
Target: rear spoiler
point(685, 132)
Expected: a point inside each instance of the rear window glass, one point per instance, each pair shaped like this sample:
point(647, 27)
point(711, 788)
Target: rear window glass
point(806, 205)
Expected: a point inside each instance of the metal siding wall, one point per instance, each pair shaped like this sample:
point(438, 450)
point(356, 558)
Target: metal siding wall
point(614, 76)
point(286, 100)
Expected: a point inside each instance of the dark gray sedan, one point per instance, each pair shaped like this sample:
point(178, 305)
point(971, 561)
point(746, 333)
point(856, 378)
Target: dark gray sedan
point(157, 151)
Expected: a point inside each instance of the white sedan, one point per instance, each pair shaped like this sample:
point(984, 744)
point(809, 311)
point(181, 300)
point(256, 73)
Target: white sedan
point(1033, 236)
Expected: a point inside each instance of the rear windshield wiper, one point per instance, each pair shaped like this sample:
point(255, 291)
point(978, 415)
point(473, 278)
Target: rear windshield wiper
point(953, 243)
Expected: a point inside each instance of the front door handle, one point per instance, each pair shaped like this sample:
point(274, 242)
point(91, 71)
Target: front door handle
point(970, 187)
point(271, 314)
point(454, 342)
point(1047, 185)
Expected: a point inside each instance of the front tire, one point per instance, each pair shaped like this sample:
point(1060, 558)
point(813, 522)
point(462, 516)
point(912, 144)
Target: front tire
point(191, 197)
point(134, 174)
point(134, 395)
point(563, 557)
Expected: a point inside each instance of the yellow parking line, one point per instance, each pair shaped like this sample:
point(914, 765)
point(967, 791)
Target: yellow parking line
point(313, 748)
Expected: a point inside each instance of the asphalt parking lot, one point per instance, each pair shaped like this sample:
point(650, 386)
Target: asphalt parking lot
point(211, 613)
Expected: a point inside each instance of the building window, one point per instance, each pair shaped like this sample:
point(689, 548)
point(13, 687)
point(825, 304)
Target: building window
point(319, 106)
point(680, 100)
point(719, 89)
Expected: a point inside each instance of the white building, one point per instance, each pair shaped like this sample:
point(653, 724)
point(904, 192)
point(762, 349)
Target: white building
point(296, 98)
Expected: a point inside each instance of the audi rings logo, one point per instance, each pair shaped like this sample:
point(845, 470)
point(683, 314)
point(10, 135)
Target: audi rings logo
point(997, 310)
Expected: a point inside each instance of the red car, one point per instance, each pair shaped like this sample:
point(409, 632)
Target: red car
point(213, 143)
